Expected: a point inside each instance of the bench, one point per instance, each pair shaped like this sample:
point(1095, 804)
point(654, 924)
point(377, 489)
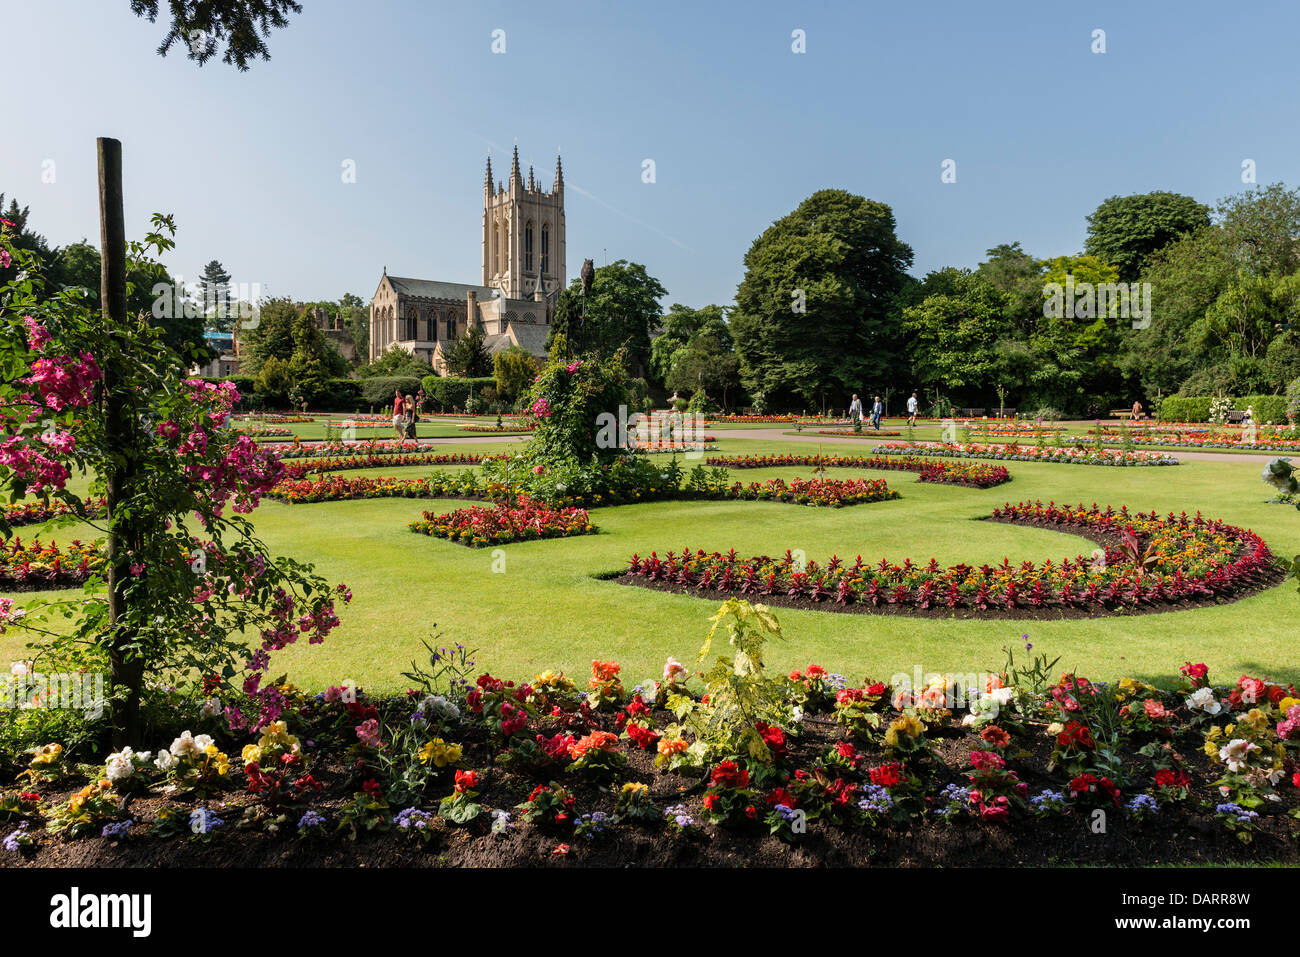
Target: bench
point(1236, 416)
point(969, 413)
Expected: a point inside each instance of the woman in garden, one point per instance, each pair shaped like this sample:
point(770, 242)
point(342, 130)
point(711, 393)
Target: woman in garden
point(411, 416)
point(399, 414)
point(1137, 410)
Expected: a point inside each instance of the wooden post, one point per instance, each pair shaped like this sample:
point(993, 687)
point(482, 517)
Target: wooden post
point(125, 671)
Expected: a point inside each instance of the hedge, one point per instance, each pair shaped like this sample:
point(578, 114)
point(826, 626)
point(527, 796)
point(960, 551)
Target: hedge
point(379, 390)
point(1196, 408)
point(447, 394)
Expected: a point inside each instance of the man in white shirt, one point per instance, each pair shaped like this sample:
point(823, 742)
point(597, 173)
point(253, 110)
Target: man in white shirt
point(911, 410)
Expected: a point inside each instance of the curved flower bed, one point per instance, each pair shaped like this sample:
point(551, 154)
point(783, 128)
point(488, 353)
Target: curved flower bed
point(969, 474)
point(828, 493)
point(1147, 563)
point(1012, 451)
point(1204, 439)
point(41, 565)
point(523, 520)
point(33, 513)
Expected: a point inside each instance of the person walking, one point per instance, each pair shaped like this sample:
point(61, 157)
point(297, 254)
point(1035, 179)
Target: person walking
point(855, 410)
point(411, 415)
point(877, 410)
point(912, 405)
point(399, 414)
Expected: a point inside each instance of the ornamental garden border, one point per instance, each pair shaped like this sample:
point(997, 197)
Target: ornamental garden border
point(1145, 564)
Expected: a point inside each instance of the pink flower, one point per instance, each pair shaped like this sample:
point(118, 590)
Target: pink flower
point(368, 734)
point(37, 334)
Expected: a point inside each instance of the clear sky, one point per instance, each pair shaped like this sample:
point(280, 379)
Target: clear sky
point(740, 127)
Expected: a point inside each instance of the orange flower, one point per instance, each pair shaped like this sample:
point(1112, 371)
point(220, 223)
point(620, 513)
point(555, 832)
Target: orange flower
point(995, 736)
point(670, 746)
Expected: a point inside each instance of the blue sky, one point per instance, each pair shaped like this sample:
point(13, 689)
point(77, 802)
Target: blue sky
point(740, 128)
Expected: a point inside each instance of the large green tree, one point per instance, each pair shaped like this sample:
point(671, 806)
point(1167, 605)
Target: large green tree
point(953, 333)
point(468, 356)
point(621, 311)
point(814, 318)
point(1125, 230)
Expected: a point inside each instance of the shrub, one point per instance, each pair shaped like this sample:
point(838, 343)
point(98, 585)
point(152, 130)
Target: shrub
point(1182, 408)
point(448, 393)
point(1267, 408)
point(379, 390)
point(1293, 399)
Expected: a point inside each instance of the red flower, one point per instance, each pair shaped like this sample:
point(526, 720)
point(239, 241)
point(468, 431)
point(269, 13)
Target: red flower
point(372, 787)
point(887, 775)
point(728, 775)
point(1171, 778)
point(465, 780)
point(781, 796)
point(751, 812)
point(710, 802)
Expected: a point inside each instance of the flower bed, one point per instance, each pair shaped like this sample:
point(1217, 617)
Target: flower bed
point(297, 470)
point(33, 513)
point(828, 493)
point(1013, 451)
point(947, 473)
point(519, 521)
point(984, 768)
point(262, 432)
point(1146, 563)
point(337, 488)
point(520, 427)
point(866, 433)
point(44, 565)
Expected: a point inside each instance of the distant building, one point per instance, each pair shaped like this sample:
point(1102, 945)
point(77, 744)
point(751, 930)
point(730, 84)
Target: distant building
point(226, 345)
point(523, 275)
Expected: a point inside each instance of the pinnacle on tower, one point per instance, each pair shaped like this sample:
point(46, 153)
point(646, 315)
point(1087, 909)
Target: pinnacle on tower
point(559, 172)
point(514, 169)
point(531, 185)
point(487, 180)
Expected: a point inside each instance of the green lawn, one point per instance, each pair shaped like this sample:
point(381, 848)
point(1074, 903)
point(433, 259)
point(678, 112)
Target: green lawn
point(547, 610)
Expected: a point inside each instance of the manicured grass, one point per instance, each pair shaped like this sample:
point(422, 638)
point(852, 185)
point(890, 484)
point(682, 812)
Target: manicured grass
point(545, 608)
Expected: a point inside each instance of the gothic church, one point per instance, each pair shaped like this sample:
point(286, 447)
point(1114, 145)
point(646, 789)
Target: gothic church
point(523, 274)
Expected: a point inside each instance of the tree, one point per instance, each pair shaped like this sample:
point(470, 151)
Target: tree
point(468, 357)
point(214, 289)
point(621, 310)
point(151, 291)
point(201, 25)
point(706, 364)
point(1125, 230)
point(815, 313)
point(21, 237)
point(514, 369)
point(395, 361)
point(272, 336)
point(952, 335)
point(680, 324)
point(1019, 277)
point(1260, 227)
point(356, 320)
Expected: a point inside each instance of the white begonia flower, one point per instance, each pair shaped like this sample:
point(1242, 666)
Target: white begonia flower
point(165, 761)
point(211, 708)
point(1003, 696)
point(1202, 699)
point(186, 746)
point(1235, 753)
point(120, 766)
point(203, 742)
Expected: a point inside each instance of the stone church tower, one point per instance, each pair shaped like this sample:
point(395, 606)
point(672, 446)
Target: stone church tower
point(523, 276)
point(523, 234)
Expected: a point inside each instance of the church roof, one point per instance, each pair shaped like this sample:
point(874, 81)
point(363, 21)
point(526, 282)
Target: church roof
point(431, 289)
point(530, 336)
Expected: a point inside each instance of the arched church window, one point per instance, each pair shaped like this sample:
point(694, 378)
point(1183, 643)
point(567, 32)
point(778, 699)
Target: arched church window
point(546, 247)
point(412, 321)
point(431, 325)
point(528, 246)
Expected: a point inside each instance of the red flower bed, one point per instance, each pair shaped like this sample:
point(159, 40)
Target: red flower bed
point(47, 565)
point(947, 473)
point(1147, 562)
point(33, 513)
point(297, 470)
point(823, 492)
point(522, 520)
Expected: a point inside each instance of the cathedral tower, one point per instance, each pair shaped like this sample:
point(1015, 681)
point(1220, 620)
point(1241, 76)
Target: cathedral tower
point(523, 234)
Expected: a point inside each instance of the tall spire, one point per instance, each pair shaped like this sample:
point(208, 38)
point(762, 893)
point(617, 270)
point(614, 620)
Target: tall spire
point(514, 168)
point(559, 173)
point(531, 185)
point(487, 180)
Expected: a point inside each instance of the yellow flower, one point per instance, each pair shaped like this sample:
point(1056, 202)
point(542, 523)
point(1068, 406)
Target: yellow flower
point(251, 753)
point(635, 789)
point(904, 725)
point(47, 755)
point(440, 753)
point(1286, 704)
